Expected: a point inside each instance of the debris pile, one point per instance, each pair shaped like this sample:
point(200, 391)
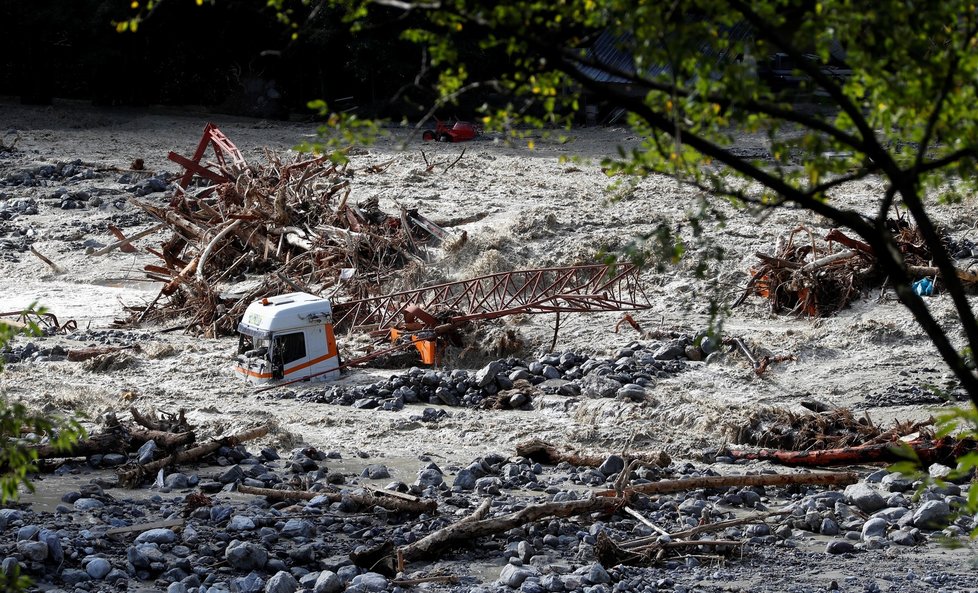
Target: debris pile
point(836, 437)
point(289, 223)
point(818, 277)
point(835, 428)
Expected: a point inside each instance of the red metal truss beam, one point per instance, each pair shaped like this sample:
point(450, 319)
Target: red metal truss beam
point(224, 151)
point(576, 289)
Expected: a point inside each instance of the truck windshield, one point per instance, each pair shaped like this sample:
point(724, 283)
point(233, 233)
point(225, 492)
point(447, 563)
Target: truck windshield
point(250, 346)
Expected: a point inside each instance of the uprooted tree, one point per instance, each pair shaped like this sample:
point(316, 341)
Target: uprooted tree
point(842, 92)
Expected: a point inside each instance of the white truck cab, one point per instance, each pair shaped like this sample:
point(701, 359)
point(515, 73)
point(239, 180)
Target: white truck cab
point(288, 337)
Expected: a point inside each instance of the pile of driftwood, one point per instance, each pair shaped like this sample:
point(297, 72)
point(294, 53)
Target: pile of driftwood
point(826, 428)
point(175, 441)
point(834, 437)
point(481, 523)
point(288, 224)
point(818, 277)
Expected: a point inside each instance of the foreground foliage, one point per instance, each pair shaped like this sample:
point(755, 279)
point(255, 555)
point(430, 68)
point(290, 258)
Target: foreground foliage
point(17, 458)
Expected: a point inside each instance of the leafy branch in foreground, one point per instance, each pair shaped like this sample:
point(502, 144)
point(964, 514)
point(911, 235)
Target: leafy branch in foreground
point(17, 458)
point(958, 423)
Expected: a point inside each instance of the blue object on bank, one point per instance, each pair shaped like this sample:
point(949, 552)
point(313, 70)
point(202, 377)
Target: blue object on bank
point(923, 287)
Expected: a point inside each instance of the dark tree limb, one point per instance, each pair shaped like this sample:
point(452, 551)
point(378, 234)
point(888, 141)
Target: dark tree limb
point(116, 440)
point(132, 475)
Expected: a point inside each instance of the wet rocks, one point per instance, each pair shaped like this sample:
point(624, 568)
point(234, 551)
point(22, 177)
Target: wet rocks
point(864, 497)
point(98, 568)
point(260, 545)
point(327, 582)
point(874, 528)
point(245, 555)
point(512, 383)
point(839, 546)
point(281, 582)
point(513, 574)
point(932, 514)
point(146, 556)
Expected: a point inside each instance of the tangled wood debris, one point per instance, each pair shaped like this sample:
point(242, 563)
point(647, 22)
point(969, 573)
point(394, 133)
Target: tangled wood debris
point(176, 442)
point(171, 434)
point(837, 437)
point(288, 224)
point(818, 277)
point(779, 428)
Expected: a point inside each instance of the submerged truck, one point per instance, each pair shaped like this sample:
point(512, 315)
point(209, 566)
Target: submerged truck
point(288, 337)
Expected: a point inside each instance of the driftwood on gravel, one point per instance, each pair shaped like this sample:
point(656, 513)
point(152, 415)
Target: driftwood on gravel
point(115, 441)
point(391, 503)
point(695, 483)
point(117, 438)
point(478, 524)
point(132, 475)
point(83, 354)
point(166, 421)
point(644, 551)
point(829, 428)
point(475, 525)
point(548, 454)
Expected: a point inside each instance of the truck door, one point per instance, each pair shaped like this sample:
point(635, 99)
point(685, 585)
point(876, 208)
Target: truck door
point(288, 348)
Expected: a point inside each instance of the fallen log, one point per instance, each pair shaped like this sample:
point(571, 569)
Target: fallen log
point(83, 354)
point(829, 260)
point(390, 503)
point(641, 542)
point(110, 441)
point(115, 440)
point(165, 440)
point(927, 452)
point(468, 528)
point(610, 553)
point(441, 580)
point(922, 271)
point(684, 484)
point(131, 476)
point(547, 454)
point(141, 527)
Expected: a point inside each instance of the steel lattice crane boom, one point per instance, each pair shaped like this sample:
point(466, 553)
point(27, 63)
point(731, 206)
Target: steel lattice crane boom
point(575, 289)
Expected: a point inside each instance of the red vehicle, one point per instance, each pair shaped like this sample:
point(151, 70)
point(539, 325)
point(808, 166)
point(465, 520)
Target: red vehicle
point(443, 132)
